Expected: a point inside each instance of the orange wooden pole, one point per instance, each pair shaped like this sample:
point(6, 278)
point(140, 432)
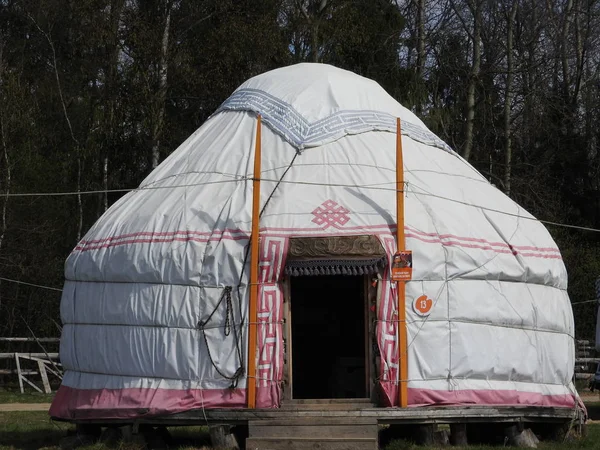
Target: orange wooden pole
point(253, 316)
point(401, 287)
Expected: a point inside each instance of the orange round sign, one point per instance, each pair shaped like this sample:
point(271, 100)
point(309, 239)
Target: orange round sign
point(422, 305)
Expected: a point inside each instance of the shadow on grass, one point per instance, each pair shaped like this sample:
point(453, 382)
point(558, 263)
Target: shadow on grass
point(189, 437)
point(181, 438)
point(31, 440)
point(593, 410)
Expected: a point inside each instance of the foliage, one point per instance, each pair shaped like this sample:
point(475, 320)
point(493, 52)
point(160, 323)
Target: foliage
point(93, 91)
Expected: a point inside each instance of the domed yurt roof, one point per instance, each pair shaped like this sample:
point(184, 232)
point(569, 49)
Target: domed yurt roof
point(155, 301)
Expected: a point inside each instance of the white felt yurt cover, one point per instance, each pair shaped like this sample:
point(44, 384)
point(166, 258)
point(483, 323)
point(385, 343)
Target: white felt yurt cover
point(167, 259)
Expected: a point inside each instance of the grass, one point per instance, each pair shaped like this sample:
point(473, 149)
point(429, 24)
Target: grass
point(592, 441)
point(35, 430)
point(29, 430)
point(8, 395)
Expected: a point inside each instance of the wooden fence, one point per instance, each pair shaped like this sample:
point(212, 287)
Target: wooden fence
point(32, 364)
point(44, 363)
point(586, 359)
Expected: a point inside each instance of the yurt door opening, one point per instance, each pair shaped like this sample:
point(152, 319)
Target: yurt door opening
point(328, 337)
point(330, 316)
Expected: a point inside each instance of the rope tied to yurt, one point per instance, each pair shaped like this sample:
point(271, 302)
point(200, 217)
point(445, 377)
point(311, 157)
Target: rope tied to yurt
point(241, 370)
point(229, 324)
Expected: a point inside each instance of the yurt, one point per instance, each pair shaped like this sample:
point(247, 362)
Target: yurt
point(313, 240)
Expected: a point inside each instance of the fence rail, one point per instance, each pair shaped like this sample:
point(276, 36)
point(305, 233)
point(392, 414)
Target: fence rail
point(48, 362)
point(44, 364)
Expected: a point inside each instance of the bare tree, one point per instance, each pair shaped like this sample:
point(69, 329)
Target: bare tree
point(161, 95)
point(421, 5)
point(4, 155)
point(76, 145)
point(473, 30)
point(508, 94)
point(111, 71)
point(313, 12)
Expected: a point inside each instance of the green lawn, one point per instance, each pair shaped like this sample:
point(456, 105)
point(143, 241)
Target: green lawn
point(592, 441)
point(34, 430)
point(14, 396)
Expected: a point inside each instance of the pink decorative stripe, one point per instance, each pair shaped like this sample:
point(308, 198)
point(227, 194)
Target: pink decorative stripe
point(386, 330)
point(431, 397)
point(484, 241)
point(271, 262)
point(72, 403)
point(128, 403)
point(385, 227)
point(160, 240)
point(162, 234)
point(482, 247)
point(146, 237)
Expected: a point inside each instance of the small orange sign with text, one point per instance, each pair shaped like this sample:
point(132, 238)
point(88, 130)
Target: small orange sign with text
point(422, 305)
point(402, 266)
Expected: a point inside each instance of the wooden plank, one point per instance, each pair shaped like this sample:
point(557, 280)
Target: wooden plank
point(44, 376)
point(324, 407)
point(383, 415)
point(367, 335)
point(402, 335)
point(309, 421)
point(311, 444)
point(287, 332)
point(458, 434)
point(32, 385)
point(29, 355)
point(425, 434)
point(14, 371)
point(221, 437)
point(34, 358)
point(19, 375)
point(254, 249)
point(315, 431)
point(329, 401)
point(53, 372)
point(587, 360)
point(28, 339)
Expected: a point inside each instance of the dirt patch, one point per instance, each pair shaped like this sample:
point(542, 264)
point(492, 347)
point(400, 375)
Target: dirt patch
point(9, 407)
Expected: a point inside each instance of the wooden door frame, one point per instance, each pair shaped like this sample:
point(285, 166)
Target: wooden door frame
point(369, 299)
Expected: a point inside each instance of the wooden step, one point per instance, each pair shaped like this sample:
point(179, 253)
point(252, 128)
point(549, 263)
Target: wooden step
point(313, 433)
point(314, 427)
point(301, 406)
point(311, 444)
point(327, 400)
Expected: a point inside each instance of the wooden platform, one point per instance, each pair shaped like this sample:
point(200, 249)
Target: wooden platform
point(341, 425)
point(412, 415)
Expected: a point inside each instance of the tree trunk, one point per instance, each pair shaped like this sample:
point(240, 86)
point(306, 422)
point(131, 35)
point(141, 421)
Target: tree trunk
point(475, 8)
point(8, 180)
point(161, 96)
point(508, 96)
point(564, 48)
point(420, 38)
point(76, 145)
point(4, 155)
point(79, 203)
point(110, 93)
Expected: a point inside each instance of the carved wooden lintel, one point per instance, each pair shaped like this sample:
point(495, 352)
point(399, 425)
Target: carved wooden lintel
point(335, 247)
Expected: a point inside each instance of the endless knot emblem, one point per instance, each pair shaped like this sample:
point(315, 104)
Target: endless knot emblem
point(331, 214)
